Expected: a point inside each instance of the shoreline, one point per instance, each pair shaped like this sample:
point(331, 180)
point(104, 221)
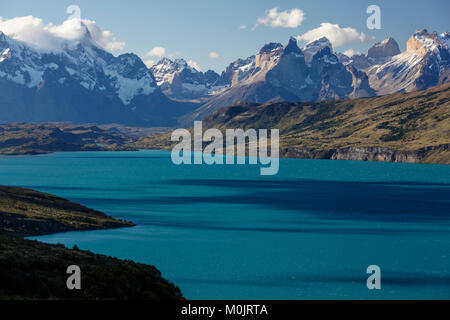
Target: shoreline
point(27, 213)
point(425, 155)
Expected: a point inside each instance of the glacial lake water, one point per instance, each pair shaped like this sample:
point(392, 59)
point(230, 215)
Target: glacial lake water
point(225, 232)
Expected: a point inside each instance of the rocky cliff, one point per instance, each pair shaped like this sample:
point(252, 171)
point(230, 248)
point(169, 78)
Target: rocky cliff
point(382, 154)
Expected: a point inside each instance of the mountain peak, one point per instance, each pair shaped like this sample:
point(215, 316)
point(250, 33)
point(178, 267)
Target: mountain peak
point(387, 40)
point(164, 60)
point(79, 33)
point(292, 47)
point(444, 35)
point(132, 60)
point(181, 63)
point(272, 46)
point(321, 41)
point(445, 38)
point(421, 32)
point(85, 33)
point(167, 63)
point(327, 55)
point(175, 65)
point(422, 42)
point(314, 47)
point(386, 48)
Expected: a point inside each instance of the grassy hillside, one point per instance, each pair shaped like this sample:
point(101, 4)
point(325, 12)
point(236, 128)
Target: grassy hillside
point(404, 127)
point(32, 138)
point(27, 212)
point(34, 270)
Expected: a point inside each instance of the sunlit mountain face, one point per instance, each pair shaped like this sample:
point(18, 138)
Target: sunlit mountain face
point(75, 78)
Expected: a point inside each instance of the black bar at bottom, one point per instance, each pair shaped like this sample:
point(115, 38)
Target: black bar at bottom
point(221, 309)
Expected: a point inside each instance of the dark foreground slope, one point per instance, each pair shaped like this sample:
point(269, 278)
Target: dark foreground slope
point(402, 127)
point(33, 270)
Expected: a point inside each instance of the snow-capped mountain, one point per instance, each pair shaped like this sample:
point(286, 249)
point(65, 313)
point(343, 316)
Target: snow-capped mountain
point(282, 73)
point(180, 81)
point(315, 46)
point(165, 70)
point(316, 72)
point(238, 70)
point(79, 82)
point(379, 53)
point(425, 63)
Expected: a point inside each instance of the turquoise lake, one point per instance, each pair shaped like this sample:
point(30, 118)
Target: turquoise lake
point(225, 232)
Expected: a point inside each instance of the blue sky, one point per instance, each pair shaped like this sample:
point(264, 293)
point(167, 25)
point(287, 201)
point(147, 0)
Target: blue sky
point(194, 29)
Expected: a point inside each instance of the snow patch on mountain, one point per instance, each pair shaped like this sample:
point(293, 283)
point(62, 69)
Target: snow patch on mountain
point(445, 38)
point(81, 60)
point(179, 80)
point(313, 47)
point(419, 67)
point(128, 88)
point(164, 70)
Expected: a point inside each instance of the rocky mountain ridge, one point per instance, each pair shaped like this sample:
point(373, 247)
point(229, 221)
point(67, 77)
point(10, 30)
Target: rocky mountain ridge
point(81, 82)
point(180, 81)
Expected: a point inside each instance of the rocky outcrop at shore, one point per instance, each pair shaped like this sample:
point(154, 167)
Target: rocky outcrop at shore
point(382, 154)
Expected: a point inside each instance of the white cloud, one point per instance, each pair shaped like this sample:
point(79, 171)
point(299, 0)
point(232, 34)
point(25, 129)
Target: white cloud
point(286, 19)
point(33, 31)
point(149, 63)
point(350, 52)
point(156, 52)
point(338, 36)
point(214, 55)
point(243, 26)
point(174, 55)
point(104, 38)
point(194, 65)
